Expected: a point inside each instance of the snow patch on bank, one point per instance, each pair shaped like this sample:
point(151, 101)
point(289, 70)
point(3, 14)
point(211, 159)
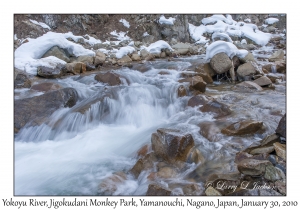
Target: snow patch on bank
point(124, 51)
point(271, 21)
point(226, 47)
point(121, 36)
point(28, 55)
point(43, 25)
point(125, 23)
point(226, 25)
point(166, 21)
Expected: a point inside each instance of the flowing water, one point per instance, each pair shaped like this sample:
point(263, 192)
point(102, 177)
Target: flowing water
point(78, 147)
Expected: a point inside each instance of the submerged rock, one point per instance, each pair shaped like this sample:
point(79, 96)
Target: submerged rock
point(45, 87)
point(243, 127)
point(196, 83)
point(247, 86)
point(21, 79)
point(278, 55)
point(110, 78)
point(217, 108)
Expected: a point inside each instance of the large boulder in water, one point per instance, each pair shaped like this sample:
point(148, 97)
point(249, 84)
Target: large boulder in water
point(217, 108)
point(246, 69)
point(34, 111)
point(55, 72)
point(220, 63)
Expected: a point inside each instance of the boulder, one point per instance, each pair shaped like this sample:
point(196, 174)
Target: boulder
point(281, 186)
point(242, 128)
point(100, 58)
point(217, 108)
point(209, 70)
point(263, 81)
point(181, 48)
point(205, 73)
point(144, 163)
point(166, 172)
point(198, 100)
point(58, 71)
point(76, 67)
point(195, 156)
point(280, 66)
point(135, 57)
point(59, 53)
point(273, 173)
point(246, 69)
point(220, 63)
point(125, 59)
point(86, 59)
point(247, 86)
point(280, 150)
point(110, 78)
point(21, 80)
point(281, 128)
point(157, 190)
point(144, 53)
point(45, 87)
point(236, 61)
point(34, 111)
point(181, 91)
point(273, 77)
point(171, 146)
point(253, 167)
point(196, 83)
point(163, 54)
point(278, 55)
point(248, 58)
point(210, 131)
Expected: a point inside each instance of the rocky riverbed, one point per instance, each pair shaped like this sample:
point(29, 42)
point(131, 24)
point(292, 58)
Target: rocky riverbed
point(177, 105)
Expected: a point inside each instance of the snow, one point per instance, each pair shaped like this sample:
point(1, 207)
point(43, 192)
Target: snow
point(226, 47)
point(243, 41)
point(156, 47)
point(92, 41)
point(145, 34)
point(226, 25)
point(125, 23)
point(222, 36)
point(28, 55)
point(124, 51)
point(105, 51)
point(166, 21)
point(44, 25)
point(120, 36)
point(270, 21)
point(248, 20)
point(15, 37)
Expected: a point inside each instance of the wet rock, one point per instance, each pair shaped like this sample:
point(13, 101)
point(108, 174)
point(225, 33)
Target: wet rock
point(181, 91)
point(253, 167)
point(280, 150)
point(280, 66)
point(210, 131)
point(236, 61)
point(58, 71)
point(281, 186)
point(135, 57)
point(166, 172)
point(246, 69)
point(220, 63)
point(217, 108)
point(255, 192)
point(198, 100)
point(196, 83)
point(273, 77)
point(21, 80)
point(242, 156)
point(171, 146)
point(281, 128)
point(125, 59)
point(263, 81)
point(100, 58)
point(76, 67)
point(59, 53)
point(262, 150)
point(278, 55)
point(247, 86)
point(156, 190)
point(242, 128)
point(110, 78)
point(191, 189)
point(150, 57)
point(109, 185)
point(195, 156)
point(209, 70)
point(35, 110)
point(143, 151)
point(45, 87)
point(273, 173)
point(142, 164)
point(210, 191)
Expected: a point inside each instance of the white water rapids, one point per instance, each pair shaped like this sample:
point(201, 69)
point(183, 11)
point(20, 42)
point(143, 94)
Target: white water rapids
point(75, 149)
